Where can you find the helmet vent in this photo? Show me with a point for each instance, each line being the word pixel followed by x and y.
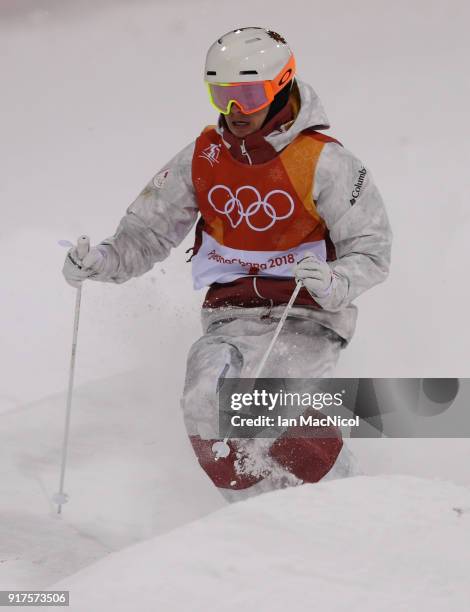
pixel 248 72
pixel 252 40
pixel 211 73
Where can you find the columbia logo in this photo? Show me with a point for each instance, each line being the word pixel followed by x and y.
pixel 358 186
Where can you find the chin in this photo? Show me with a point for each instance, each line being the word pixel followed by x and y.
pixel 241 131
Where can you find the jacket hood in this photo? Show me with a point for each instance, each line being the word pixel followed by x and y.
pixel 311 114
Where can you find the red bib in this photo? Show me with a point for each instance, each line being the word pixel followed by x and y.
pixel 255 219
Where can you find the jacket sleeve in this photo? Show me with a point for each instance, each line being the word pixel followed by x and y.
pixel 158 220
pixel 352 207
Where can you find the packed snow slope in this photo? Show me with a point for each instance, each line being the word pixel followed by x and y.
pixel 131 475
pixel 370 544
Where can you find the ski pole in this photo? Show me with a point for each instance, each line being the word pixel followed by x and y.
pixel 60 498
pixel 280 325
pixel 222 449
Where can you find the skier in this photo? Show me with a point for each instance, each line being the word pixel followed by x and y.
pixel 278 201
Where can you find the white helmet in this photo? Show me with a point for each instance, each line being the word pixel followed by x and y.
pixel 247 55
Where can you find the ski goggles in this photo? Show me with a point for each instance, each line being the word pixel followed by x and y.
pixel 251 96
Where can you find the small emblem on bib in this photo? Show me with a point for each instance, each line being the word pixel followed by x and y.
pixel 211 153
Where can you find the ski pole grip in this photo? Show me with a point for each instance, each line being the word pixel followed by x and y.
pixel 83 246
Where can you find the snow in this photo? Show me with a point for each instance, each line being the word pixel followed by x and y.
pixel 131 474
pixel 363 543
pixel 86 120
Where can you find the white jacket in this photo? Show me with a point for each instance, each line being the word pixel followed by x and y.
pixel 346 198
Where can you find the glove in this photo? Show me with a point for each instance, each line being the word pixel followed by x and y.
pixel 75 270
pixel 316 276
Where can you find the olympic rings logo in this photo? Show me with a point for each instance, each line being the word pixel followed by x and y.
pixel 234 211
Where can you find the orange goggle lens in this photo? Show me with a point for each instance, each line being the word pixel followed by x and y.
pixel 250 97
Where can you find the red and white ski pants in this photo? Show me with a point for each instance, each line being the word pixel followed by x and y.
pixel 234 347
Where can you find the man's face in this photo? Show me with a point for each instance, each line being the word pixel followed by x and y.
pixel 242 125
